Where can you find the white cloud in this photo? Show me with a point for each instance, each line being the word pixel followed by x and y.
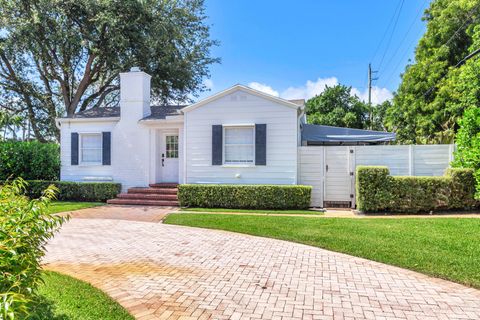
pixel 310 89
pixel 208 83
pixel 264 88
pixel 379 95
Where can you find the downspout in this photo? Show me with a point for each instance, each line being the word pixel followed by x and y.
pixel 184 147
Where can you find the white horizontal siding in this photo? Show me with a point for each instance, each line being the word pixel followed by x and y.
pixel 242 108
pixel 310 172
pixel 396 158
pixel 431 160
pixel 418 160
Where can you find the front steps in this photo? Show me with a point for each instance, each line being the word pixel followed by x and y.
pixel 158 194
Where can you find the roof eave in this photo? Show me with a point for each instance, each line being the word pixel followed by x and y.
pixel 243 88
pixel 96 119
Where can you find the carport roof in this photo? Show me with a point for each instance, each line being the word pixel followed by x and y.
pixel 319 134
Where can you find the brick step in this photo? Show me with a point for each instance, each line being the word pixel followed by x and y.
pixel 143 202
pixel 147 196
pixel 153 190
pixel 164 185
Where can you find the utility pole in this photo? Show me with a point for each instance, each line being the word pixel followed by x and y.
pixel 370 80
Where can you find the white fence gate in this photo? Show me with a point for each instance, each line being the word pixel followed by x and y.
pixel 330 170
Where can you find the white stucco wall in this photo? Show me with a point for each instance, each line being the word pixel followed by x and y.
pixel 242 107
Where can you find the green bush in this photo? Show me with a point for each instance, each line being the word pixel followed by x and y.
pixel 244 196
pixel 29 160
pixel 378 191
pixel 25 227
pixel 467 153
pixel 372 185
pixel 76 191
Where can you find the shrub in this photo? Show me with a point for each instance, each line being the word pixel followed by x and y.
pixel 30 160
pixel 244 196
pixel 378 191
pixel 76 191
pixel 462 188
pixel 372 185
pixel 468 143
pixel 25 226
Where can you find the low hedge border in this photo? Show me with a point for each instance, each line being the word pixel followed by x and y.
pixel 244 196
pixel 75 191
pixel 377 191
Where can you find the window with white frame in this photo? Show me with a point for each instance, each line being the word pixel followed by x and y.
pixel 91 148
pixel 239 145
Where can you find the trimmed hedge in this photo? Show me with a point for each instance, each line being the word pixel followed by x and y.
pixel 30 160
pixel 244 196
pixel 75 191
pixel 377 191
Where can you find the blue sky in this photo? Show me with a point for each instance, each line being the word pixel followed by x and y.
pixel 293 48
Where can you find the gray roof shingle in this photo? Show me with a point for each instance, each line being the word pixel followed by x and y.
pixel 107 112
pixel 161 112
pixel 158 112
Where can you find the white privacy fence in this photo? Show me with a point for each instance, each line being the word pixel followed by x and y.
pixel 330 170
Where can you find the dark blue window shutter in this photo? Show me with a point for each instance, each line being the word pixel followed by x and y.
pixel 260 144
pixel 106 148
pixel 217 145
pixel 74 149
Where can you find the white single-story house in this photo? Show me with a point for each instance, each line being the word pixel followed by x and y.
pixel 237 136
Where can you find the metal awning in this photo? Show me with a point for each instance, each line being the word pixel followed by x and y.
pixel 320 134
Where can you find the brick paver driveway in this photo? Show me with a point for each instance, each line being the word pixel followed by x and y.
pixel 169 272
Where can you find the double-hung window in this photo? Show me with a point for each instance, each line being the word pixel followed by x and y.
pixel 91 148
pixel 239 145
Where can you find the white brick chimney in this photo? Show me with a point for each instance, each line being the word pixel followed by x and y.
pixel 134 94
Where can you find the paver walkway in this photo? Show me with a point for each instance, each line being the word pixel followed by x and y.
pixel 170 272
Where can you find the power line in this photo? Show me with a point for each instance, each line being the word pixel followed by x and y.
pixel 391 34
pixel 459 63
pixel 414 21
pixel 466 22
pixel 386 30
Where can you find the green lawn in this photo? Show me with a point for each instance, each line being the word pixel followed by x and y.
pixel 66 298
pixel 206 210
pixel 62 206
pixel 447 248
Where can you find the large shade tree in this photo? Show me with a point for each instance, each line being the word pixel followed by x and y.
pixel 337 106
pixel 436 89
pixel 63 56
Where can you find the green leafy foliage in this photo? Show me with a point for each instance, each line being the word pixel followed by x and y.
pixel 377 191
pixel 25 227
pixel 61 56
pixel 29 160
pixel 434 91
pixel 244 196
pixel 76 191
pixel 467 154
pixel 337 106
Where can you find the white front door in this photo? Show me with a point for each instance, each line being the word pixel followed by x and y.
pixel 169 157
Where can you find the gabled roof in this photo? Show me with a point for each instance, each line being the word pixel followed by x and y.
pixel 246 89
pixel 312 133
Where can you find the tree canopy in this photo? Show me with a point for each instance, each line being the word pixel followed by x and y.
pixel 62 56
pixel 338 106
pixel 436 89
